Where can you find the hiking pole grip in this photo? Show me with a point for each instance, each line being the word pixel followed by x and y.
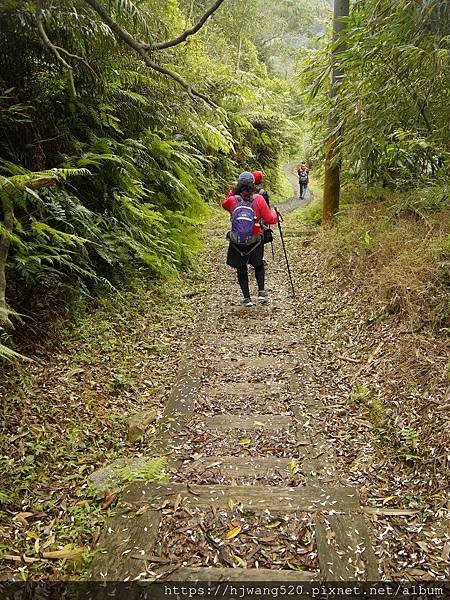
pixel 280 216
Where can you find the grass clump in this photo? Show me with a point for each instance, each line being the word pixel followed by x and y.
pixel 398 252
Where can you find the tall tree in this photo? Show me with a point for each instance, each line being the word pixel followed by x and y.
pixel 332 186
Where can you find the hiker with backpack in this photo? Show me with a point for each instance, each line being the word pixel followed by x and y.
pixel 249 213
pixel 303 178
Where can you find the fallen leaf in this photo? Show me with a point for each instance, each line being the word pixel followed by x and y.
pixel 68 552
pixel 81 503
pixel 293 465
pixel 142 510
pixel 245 441
pixel 274 524
pixel 22 517
pixel 107 501
pixel 423 546
pixel 232 533
pixel 240 561
pixel 177 503
pixel 388 499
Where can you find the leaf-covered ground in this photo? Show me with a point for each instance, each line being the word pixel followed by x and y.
pixel 384 391
pixel 237 537
pixel 383 419
pixel 65 414
pixel 381 390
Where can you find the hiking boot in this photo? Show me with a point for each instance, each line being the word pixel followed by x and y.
pixel 263 298
pixel 247 302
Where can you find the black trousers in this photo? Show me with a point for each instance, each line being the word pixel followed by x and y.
pixel 303 188
pixel 242 275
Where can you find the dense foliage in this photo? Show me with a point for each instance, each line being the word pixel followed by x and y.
pixel 389 117
pixel 392 105
pixel 141 154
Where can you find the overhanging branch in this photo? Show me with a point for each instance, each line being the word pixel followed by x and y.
pixel 141 50
pixel 55 49
pixel 184 36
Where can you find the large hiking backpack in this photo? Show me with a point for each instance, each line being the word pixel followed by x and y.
pixel 242 222
pixel 303 175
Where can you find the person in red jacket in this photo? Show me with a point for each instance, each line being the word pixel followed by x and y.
pixel 303 178
pixel 240 256
pixel 259 176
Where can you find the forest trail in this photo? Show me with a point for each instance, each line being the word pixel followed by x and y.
pixel 255 490
pixel 121 122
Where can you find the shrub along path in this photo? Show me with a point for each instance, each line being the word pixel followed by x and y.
pixel 255 485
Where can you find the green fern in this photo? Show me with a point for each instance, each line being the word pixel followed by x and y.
pixel 151 470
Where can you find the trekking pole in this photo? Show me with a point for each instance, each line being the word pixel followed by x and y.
pixel 280 219
pixel 273 251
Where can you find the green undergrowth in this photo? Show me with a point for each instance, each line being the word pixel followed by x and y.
pixel 402 441
pixel 399 246
pixel 395 245
pixel 65 414
pixel 311 214
pixel 151 470
pixel 283 192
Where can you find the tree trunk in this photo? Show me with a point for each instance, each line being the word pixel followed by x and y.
pixel 332 185
pixel 332 182
pixel 8 223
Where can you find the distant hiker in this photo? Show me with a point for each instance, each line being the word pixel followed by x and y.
pixel 259 176
pixel 249 211
pixel 303 178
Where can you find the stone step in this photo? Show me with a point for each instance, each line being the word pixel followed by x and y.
pixel 130 543
pixel 276 362
pixel 240 470
pixel 125 536
pixel 248 423
pixel 244 389
pixel 253 340
pixel 131 539
pixel 268 341
pixel 246 469
pixel 245 399
pixel 239 466
pixel 138 543
pixel 345 549
pixel 286 499
pixel 217 574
